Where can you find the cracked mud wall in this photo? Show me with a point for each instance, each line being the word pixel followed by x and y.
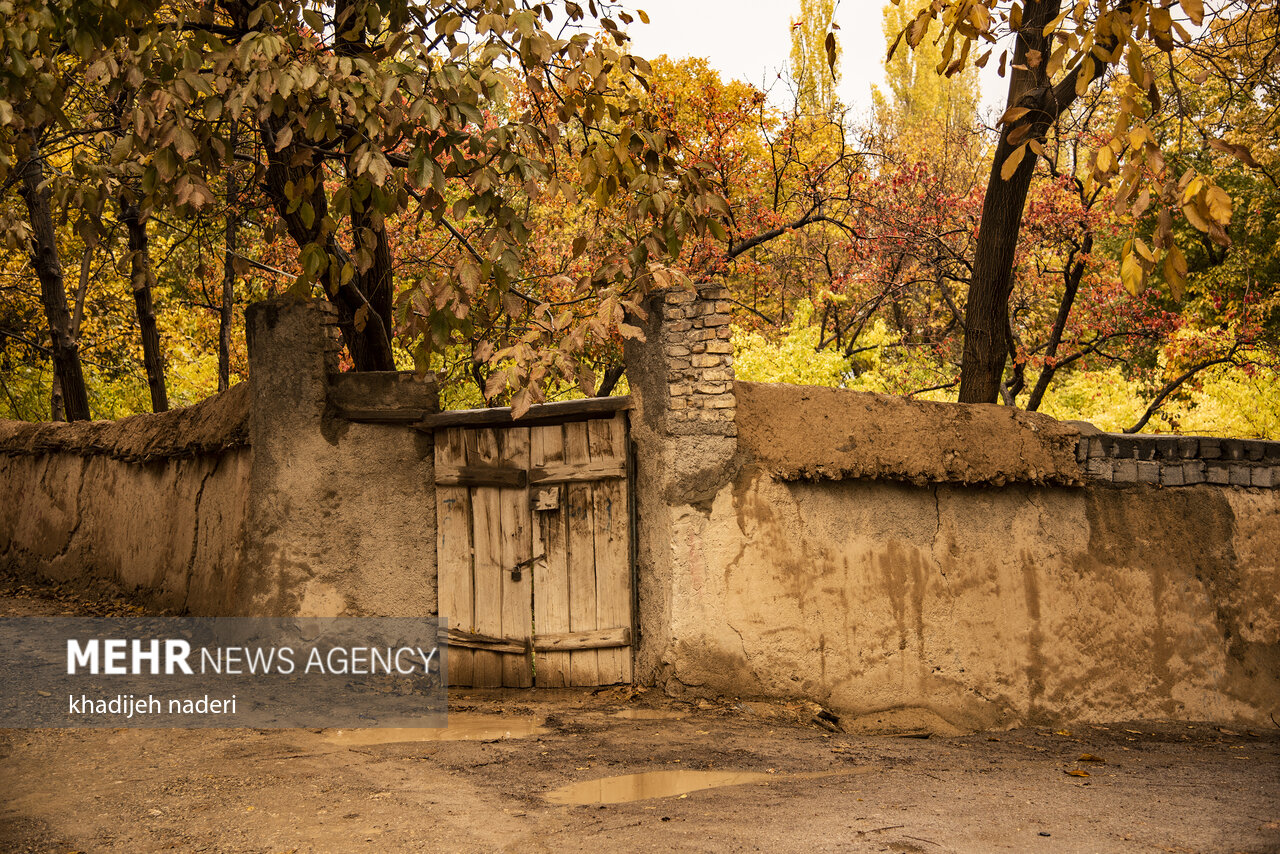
pixel 169 527
pixel 944 567
pixel 262 501
pixel 980 607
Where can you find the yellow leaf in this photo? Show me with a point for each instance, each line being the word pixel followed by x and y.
pixel 1219 205
pixel 1105 159
pixel 1144 251
pixel 1055 23
pixel 1175 272
pixel 918 27
pixel 1137 68
pixel 1132 275
pixel 1076 772
pixel 1055 61
pixel 1011 162
pixel 1192 189
pixel 1197 217
pixel 1089 757
pixel 1161 28
pixel 1143 202
pixel 1013 114
pixel 1194 10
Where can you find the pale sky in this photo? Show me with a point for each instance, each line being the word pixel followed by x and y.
pixel 750 40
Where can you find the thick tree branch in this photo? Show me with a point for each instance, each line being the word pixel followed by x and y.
pixel 1170 388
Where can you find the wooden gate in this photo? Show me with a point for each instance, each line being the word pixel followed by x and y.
pixel 534 544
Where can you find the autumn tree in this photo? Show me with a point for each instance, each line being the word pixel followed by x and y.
pixel 1059 51
pixel 353 115
pixel 814 57
pixel 920 107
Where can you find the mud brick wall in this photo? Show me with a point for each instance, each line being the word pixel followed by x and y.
pixel 302 492
pixel 154 503
pixel 1179 460
pixel 699 361
pixel 939 567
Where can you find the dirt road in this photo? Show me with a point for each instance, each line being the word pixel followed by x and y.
pixel 498 785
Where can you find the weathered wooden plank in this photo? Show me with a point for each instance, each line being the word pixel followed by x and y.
pixel 583 669
pixel 453 554
pixel 504 474
pixel 551 574
pixel 472 640
pixel 607 442
pixel 576 472
pixel 543 413
pixel 517 586
pixel 486 511
pixel 557 644
pixel 600 639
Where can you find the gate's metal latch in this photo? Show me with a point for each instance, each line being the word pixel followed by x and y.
pixel 517 570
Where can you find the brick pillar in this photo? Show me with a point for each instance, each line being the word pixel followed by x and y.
pixel 689 350
pixel 685 434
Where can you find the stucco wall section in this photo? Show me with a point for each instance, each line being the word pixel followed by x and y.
pixel 980 607
pixel 342 514
pixel 263 501
pixel 810 432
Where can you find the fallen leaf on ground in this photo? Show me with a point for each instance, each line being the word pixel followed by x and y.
pixel 1076 772
pixel 1089 757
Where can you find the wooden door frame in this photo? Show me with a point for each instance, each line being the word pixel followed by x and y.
pixel 468 477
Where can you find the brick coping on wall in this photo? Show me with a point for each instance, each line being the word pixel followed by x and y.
pixel 1179 460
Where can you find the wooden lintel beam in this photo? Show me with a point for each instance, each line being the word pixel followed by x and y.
pixel 543 413
pixel 573 472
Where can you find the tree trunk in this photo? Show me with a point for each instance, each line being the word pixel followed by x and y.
pixel 986 342
pixel 140 268
pixel 1075 273
pixel 57 412
pixel 370 341
pixel 225 315
pixel 53 292
pixel 376 284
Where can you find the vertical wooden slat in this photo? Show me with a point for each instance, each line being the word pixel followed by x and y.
pixel 582 565
pixel 517 594
pixel 453 554
pixel 482 447
pixel 551 573
pixel 607 442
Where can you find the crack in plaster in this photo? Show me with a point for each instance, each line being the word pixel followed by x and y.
pixel 195 534
pixel 84 464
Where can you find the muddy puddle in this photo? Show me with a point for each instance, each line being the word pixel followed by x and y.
pixel 666 784
pixel 462 727
pixel 650 715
